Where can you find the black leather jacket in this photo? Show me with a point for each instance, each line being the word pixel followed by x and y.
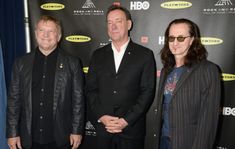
pixel 68 106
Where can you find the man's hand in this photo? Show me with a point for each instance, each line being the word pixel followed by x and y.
pixel 14 143
pixel 108 120
pixel 113 124
pixel 117 126
pixel 75 140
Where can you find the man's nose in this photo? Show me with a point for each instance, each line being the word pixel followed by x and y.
pixel 114 26
pixel 176 42
pixel 45 34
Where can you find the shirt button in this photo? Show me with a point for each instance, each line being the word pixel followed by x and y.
pixel 41 117
pixel 43 76
pixel 40 130
pixel 115 92
pixel 42 89
pixel 41 104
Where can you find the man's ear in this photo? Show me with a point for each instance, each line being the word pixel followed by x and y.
pixel 59 37
pixel 129 24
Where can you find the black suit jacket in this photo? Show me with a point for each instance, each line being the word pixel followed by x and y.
pixel 194 108
pixel 127 93
pixel 68 105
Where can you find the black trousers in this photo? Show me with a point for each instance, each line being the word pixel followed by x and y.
pixel 117 142
pixel 51 145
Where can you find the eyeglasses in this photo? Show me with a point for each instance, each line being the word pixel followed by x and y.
pixel 179 38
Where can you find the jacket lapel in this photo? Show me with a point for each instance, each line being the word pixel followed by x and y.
pixel 126 57
pixel 27 75
pixel 183 78
pixel 110 59
pixel 58 79
pixel 161 86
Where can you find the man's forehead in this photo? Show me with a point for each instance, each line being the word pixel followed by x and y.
pixel 46 22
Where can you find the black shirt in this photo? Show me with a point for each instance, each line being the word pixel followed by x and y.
pixel 42 96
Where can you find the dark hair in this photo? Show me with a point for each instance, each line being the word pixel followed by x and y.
pixel 118 7
pixel 196 52
pixel 46 18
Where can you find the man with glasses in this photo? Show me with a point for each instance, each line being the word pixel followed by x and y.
pixel 189 91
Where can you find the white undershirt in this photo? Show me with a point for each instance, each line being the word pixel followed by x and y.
pixel 119 55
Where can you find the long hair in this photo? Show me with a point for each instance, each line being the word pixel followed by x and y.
pixel 196 53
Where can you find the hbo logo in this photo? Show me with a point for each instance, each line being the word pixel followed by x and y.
pixel 139 5
pixel 228 111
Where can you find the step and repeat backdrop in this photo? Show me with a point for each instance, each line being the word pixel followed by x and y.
pixel 84 30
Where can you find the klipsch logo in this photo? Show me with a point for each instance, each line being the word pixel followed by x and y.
pixel 211 41
pixel 52 6
pixel 137 5
pixel 176 5
pixel 228 77
pixel 78 38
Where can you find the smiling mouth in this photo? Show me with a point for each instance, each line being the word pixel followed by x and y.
pixel 115 32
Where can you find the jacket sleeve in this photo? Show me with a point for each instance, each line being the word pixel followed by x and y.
pixel 209 111
pixel 77 97
pixel 147 91
pixel 92 89
pixel 13 102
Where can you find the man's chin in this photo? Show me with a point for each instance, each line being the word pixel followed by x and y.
pixel 115 39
